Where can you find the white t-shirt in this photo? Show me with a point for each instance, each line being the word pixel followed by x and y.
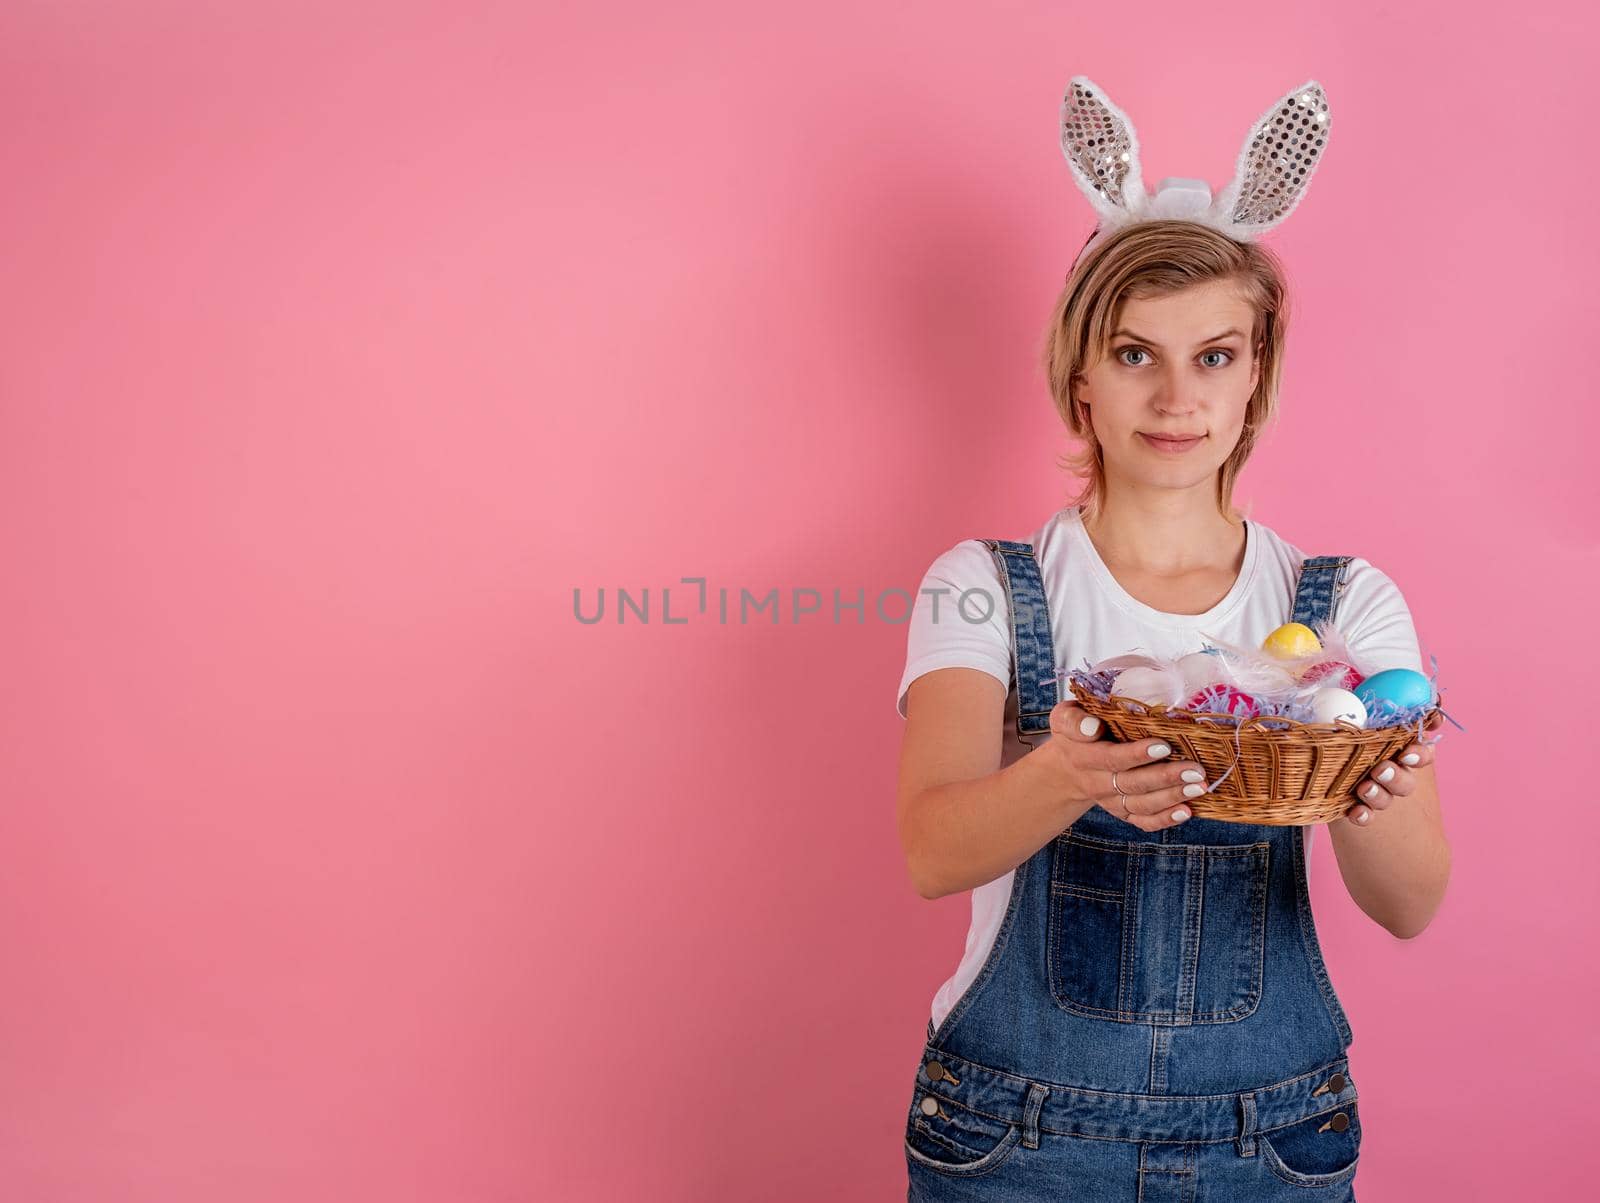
pixel 1092 617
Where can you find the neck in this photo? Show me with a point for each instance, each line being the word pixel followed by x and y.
pixel 1164 532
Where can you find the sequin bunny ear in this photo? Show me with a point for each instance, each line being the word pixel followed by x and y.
pixel 1102 148
pixel 1275 165
pixel 1274 168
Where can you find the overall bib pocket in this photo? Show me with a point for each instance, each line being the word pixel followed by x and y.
pixel 1143 932
pixel 1319 1151
pixel 946 1137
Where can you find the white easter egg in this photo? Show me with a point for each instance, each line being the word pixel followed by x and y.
pixel 1150 685
pixel 1201 669
pixel 1332 704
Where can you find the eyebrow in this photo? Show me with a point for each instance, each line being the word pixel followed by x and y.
pixel 1215 338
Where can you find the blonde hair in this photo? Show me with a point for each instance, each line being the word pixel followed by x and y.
pixel 1156 258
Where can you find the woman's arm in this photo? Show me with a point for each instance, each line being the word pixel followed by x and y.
pixel 964 821
pixel 1391 846
pixel 1394 858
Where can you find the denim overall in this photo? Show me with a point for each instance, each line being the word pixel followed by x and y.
pixel 1154 1023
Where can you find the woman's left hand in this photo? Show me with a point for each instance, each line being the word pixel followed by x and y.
pixel 1388 780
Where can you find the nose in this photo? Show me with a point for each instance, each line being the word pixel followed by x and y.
pixel 1178 392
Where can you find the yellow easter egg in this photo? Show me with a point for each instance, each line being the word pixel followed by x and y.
pixel 1292 640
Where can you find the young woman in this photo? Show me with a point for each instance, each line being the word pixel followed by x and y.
pixel 1142 1011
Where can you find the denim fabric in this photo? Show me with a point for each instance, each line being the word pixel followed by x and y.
pixel 1032 646
pixel 1155 1020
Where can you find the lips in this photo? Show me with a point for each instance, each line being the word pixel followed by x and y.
pixel 1172 446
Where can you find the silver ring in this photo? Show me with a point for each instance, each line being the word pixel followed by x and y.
pixel 1115 786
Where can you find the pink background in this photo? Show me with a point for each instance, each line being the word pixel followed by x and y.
pixel 343 342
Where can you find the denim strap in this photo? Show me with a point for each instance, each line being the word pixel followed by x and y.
pixel 1317 595
pixel 1033 659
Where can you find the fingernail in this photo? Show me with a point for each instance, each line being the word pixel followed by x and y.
pixel 1363 816
pixel 1193 775
pixel 1388 771
pixel 1157 751
pixel 1410 758
pixel 1193 791
pixel 1089 725
pixel 1370 792
pixel 1179 815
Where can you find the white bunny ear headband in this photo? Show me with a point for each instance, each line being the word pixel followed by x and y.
pixel 1274 168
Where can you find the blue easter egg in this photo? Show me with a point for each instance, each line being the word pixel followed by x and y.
pixel 1400 688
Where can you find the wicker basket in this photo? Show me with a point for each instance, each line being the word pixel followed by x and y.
pixel 1283 776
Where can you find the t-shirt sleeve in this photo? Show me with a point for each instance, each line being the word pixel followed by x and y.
pixel 1376 622
pixel 959 618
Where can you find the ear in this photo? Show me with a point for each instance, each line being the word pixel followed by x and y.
pixel 1102 148
pixel 1276 163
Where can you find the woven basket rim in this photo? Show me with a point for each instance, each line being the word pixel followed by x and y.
pixel 1245 728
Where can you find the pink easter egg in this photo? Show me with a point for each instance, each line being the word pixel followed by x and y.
pixel 1338 674
pixel 1224 699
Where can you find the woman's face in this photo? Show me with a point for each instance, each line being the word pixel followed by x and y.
pixel 1180 367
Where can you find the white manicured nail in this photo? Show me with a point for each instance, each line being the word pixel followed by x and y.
pixel 1388 771
pixel 1193 791
pixel 1410 758
pixel 1193 775
pixel 1157 751
pixel 1179 815
pixel 1089 725
pixel 1371 792
pixel 1363 816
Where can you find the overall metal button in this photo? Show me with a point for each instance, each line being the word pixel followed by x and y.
pixel 1338 1123
pixel 1336 1084
pixel 930 1105
pixel 936 1072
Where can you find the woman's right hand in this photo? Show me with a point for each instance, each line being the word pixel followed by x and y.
pixel 1154 787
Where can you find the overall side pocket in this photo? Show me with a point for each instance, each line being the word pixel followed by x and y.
pixel 1317 1151
pixel 948 1138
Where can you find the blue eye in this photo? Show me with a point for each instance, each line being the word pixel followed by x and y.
pixel 1124 352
